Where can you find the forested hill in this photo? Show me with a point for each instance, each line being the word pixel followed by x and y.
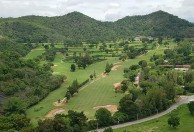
pixel 78 26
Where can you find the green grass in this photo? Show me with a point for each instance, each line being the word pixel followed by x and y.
pixel 186 123
pixel 34 53
pixel 97 94
pixel 64 69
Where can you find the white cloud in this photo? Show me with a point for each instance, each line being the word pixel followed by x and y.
pixel 110 10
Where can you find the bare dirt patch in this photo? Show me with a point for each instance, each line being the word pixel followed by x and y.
pixel 114 68
pixel 104 75
pixel 111 108
pixel 117 84
pixel 55 65
pixel 117 63
pixel 60 103
pixel 54 112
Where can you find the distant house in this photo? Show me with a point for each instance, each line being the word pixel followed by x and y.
pixel 182 69
pixel 140 38
pixel 176 66
pixel 137 39
pixel 150 38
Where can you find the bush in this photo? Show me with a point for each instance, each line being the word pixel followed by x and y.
pixel 191 107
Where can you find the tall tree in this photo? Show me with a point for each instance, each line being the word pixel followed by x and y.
pixel 103 117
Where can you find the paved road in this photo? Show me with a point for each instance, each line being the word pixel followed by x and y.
pixel 183 100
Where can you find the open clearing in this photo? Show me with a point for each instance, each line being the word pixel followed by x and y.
pixel 100 92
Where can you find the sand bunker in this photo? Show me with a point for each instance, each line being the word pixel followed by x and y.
pixel 117 85
pixel 55 65
pixel 54 112
pixel 114 68
pixel 111 108
pixel 60 103
pixel 65 81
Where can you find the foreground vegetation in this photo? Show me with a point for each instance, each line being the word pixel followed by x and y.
pixel 161 124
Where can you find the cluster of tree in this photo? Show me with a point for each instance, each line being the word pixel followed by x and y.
pixel 108 67
pixel 179 56
pixel 131 72
pixel 75 27
pixel 74 88
pixel 133 52
pixel 8 45
pixel 83 61
pixel 159 88
pixel 26 78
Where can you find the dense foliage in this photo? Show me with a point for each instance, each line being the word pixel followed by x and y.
pixel 76 26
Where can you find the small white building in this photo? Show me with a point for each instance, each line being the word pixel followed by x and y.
pixel 182 69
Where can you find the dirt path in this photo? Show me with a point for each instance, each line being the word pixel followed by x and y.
pixel 114 68
pixel 137 78
pixel 54 112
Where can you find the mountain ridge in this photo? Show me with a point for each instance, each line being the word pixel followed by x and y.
pixel 77 26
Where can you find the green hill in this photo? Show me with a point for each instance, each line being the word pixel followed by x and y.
pixel 78 26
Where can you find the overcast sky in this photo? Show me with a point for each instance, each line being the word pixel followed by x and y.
pixel 105 10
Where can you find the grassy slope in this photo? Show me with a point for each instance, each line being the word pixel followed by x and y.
pixel 186 124
pixel 34 53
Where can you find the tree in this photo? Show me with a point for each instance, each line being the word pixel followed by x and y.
pixel 68 95
pixel 191 107
pixel 72 67
pixel 108 68
pixel 120 117
pixel 19 121
pixel 160 40
pixel 169 88
pixel 124 87
pixel 94 74
pixel 127 106
pixel 174 121
pixel 45 125
pixel 103 117
pixel 46 47
pixel 143 63
pixel 77 118
pixel 91 77
pixel 109 129
pixel 14 105
pixel 14 122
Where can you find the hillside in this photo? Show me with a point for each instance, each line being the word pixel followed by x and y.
pixel 78 26
pixel 155 24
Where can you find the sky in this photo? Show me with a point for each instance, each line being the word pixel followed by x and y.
pixel 104 10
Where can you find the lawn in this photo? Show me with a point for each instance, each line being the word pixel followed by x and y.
pixel 186 124
pixel 98 93
pixel 64 69
pixel 34 53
